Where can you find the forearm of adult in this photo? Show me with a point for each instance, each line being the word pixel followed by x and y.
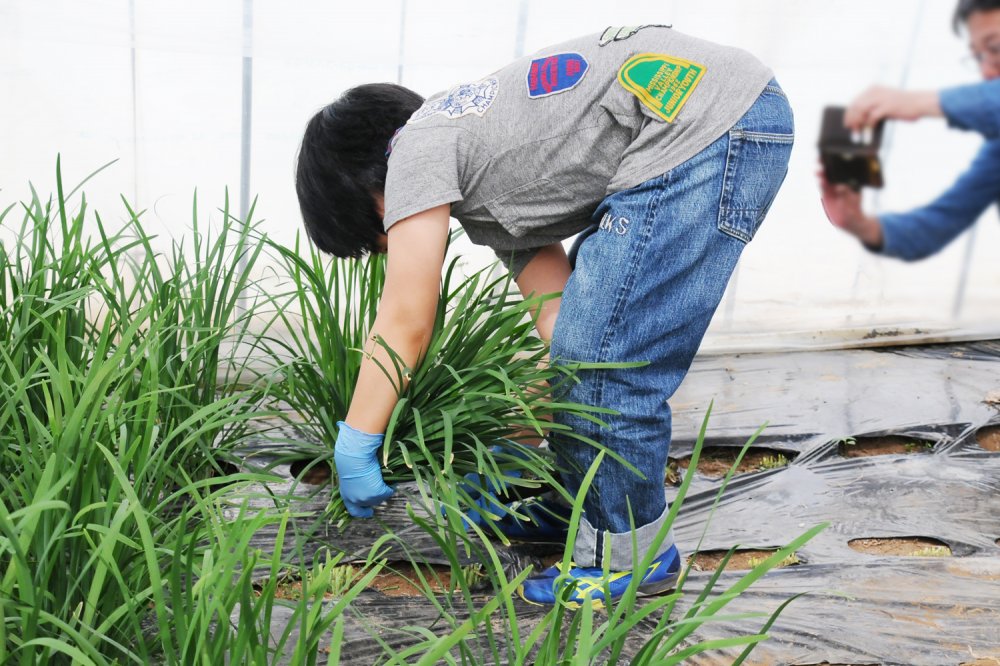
pixel 974 107
pixel 883 103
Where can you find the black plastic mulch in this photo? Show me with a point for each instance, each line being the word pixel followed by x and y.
pixel 860 608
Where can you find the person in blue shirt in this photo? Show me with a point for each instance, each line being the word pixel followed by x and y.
pixel 923 231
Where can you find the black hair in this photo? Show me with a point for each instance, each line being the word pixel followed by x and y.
pixel 342 163
pixel 967 8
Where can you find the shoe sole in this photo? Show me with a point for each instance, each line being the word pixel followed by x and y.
pixel 659 587
pixel 649 590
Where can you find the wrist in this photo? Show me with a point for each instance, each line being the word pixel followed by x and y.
pixel 351 440
pixel 870 232
pixel 928 104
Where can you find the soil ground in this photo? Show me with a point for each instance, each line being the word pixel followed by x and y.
pixel 317 475
pixel 902 547
pixel 989 438
pixel 404 582
pixel 742 560
pixel 880 446
pixel 716 461
pixel 401 581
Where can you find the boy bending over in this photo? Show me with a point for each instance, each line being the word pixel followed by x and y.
pixel 664 149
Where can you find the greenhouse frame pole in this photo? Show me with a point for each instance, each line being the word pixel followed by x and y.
pixel 135 107
pixel 245 126
pixel 522 27
pixel 963 276
pixel 402 42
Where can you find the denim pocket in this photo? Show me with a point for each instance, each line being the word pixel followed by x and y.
pixel 756 165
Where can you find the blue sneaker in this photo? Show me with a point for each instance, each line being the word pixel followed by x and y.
pixel 547 521
pixel 546 588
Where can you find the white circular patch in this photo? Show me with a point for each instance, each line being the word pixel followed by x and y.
pixel 461 100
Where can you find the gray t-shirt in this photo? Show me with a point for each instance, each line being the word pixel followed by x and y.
pixel 526 154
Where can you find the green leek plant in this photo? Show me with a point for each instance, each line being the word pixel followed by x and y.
pixel 110 283
pixel 483 379
pixel 117 544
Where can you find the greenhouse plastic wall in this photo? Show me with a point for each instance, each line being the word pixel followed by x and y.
pixel 203 96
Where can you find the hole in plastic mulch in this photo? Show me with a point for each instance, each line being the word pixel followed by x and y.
pixel 716 461
pixel 881 446
pixel 742 560
pixel 989 438
pixel 901 546
pixel 311 472
pixel 827 663
pixel 395 580
pixel 224 469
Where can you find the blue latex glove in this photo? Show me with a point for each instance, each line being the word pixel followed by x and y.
pixel 487 503
pixel 361 484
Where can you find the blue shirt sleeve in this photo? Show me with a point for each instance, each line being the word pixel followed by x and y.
pixel 974 107
pixel 922 232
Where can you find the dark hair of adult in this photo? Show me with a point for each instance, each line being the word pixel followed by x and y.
pixel 967 8
pixel 342 163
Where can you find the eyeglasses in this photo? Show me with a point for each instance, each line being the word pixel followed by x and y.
pixel 990 54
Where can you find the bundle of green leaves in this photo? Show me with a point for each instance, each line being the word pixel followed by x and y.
pixel 115 543
pixel 483 380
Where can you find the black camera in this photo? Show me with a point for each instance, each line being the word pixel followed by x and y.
pixel 848 157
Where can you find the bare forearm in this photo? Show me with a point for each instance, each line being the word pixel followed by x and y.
pixel 379 380
pixel 882 103
pixel 405 318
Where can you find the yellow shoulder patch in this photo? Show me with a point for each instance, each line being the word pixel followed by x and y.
pixel 662 82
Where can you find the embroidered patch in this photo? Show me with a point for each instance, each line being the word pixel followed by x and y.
pixel 475 97
pixel 555 74
pixel 618 33
pixel 663 83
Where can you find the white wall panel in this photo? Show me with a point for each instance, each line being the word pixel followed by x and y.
pixel 66 86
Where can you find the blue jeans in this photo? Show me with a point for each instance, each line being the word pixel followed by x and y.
pixel 645 285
